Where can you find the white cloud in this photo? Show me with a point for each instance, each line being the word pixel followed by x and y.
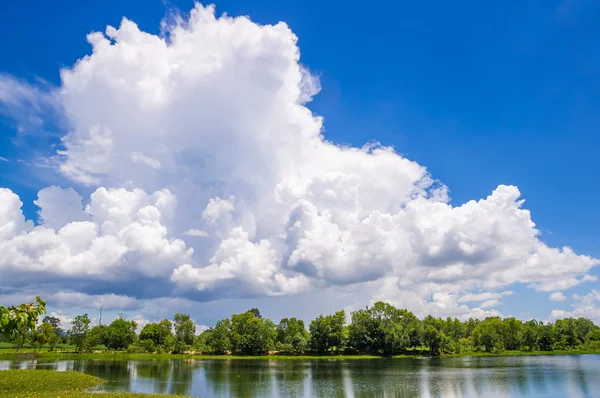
pixel 489 304
pixel 59 207
pixel 484 296
pixel 3 159
pixel 557 296
pixel 148 161
pixel 586 306
pixel 216 115
pixel 196 232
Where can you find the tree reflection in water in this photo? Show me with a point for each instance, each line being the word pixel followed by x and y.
pixel 440 377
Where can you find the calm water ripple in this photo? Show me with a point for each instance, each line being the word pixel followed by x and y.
pixel 541 376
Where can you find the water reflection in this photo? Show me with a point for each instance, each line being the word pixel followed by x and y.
pixel 573 376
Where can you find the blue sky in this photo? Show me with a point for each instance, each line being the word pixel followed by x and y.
pixel 480 93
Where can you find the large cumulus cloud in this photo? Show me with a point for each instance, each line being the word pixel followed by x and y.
pixel 209 177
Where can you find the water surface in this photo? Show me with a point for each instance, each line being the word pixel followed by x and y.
pixel 536 376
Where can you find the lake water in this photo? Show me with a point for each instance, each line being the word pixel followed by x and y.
pixel 540 376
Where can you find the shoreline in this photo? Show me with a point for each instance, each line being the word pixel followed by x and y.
pixel 31 355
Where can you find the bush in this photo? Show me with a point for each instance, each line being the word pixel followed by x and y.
pixel 147 345
pixel 135 349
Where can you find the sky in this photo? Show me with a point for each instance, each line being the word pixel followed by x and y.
pixel 300 157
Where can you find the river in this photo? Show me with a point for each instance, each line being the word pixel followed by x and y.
pixel 518 376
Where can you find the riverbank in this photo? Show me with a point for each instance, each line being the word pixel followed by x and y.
pixel 49 383
pixel 106 355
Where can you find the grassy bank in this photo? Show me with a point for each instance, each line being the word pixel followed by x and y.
pixel 107 355
pixel 523 353
pixel 48 383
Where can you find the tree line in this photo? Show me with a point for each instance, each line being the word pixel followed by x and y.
pixel 378 330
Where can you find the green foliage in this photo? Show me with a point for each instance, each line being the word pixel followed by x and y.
pixel 328 333
pixel 79 331
pixel 120 334
pixel 545 338
pixel 185 331
pixel 488 335
pixel 46 334
pixel 95 337
pixel 434 339
pixel 530 335
pixel 291 336
pixel 160 334
pixel 21 318
pixel 216 339
pixel 382 329
pixel 251 335
pixel 55 322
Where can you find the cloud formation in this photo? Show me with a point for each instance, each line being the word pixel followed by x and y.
pixel 210 177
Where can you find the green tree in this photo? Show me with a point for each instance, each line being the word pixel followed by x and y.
pixel 583 327
pixel 545 337
pixel 79 331
pixel 55 322
pixel 488 334
pixel 21 318
pixel 185 331
pixel 216 339
pixel 292 336
pixel 120 334
pixel 46 334
pixel 434 339
pixel 381 329
pixel 160 334
pixel 512 333
pixel 530 335
pixel 328 333
pixel 251 335
pixel 592 339
pixel 95 337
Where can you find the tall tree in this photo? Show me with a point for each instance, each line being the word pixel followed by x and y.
pixel 328 333
pixel 185 331
pixel 120 334
pixel 251 335
pixel 79 331
pixel 292 336
pixel 46 334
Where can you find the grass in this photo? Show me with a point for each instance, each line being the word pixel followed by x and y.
pixel 50 383
pixel 523 353
pixel 68 352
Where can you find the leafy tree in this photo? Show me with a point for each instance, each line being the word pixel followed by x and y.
pixel 292 336
pixel 545 338
pixel 512 333
pixel 256 313
pixel 55 322
pixel 488 335
pixel 530 334
pixel 185 331
pixel 251 335
pixel 120 334
pixel 160 334
pixel 21 318
pixel 583 327
pixel 79 331
pixel 96 336
pixel 46 334
pixel 434 339
pixel 216 339
pixel 593 339
pixel 565 334
pixel 328 333
pixel 381 329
